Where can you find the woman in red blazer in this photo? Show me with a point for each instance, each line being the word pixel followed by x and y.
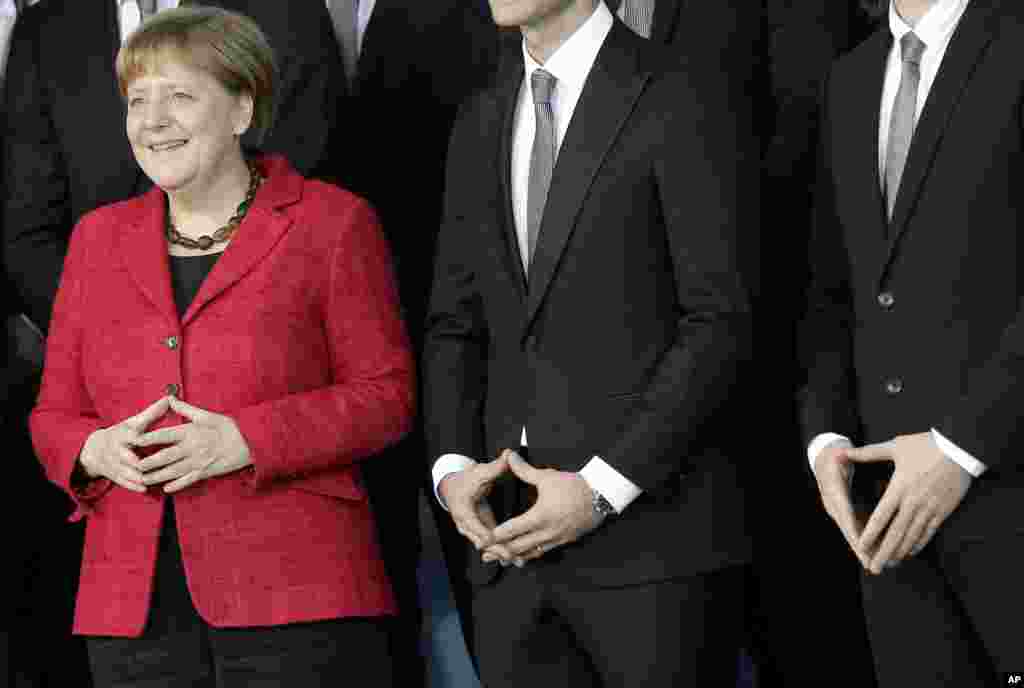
pixel 224 350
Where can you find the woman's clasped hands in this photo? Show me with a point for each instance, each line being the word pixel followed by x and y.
pixel 209 445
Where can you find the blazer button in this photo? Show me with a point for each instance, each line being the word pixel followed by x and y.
pixel 886 300
pixel 893 386
pixel 173 389
pixel 171 342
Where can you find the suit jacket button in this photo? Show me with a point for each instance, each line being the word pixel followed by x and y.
pixel 893 386
pixel 173 389
pixel 171 342
pixel 886 300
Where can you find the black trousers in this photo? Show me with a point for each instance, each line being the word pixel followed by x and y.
pixel 950 616
pixel 531 631
pixel 179 649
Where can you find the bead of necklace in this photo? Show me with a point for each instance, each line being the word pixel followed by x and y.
pixel 204 242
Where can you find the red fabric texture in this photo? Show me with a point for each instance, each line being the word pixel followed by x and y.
pixel 296 335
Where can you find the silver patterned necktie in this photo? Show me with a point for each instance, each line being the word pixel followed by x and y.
pixel 902 122
pixel 542 157
pixel 638 15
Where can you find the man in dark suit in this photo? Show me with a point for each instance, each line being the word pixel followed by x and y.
pixel 414 63
pixel 65 153
pixel 799 40
pixel 592 310
pixel 772 56
pixel 915 335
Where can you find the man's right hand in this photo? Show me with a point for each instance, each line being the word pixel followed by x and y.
pixel 108 452
pixel 465 494
pixel 834 472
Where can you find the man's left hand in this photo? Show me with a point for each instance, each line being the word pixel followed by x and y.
pixel 926 487
pixel 563 512
pixel 209 446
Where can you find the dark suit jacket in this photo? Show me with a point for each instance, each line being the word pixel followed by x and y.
pixel 627 342
pixel 917 323
pixel 66 150
pixel 295 335
pixel 419 62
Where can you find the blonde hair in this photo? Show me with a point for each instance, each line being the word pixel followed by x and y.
pixel 227 45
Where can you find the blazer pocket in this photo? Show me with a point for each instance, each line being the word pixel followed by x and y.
pixel 337 484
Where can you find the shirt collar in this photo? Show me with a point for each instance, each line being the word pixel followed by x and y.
pixel 571 62
pixel 936 26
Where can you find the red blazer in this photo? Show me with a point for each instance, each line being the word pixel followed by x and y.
pixel 296 335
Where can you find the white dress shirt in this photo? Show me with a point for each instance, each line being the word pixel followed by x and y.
pixel 935 29
pixel 362 21
pixel 570 64
pixel 129 15
pixel 8 15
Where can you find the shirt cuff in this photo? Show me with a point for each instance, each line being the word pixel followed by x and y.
pixel 958 455
pixel 819 443
pixel 619 490
pixel 445 466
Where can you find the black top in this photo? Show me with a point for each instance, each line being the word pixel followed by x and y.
pixel 187 275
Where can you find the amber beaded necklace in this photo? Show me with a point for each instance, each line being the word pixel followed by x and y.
pixel 224 233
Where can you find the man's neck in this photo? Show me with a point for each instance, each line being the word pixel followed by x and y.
pixel 912 10
pixel 548 33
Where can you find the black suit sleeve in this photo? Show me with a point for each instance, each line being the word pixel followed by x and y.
pixel 827 398
pixel 986 422
pixel 36 212
pixel 455 350
pixel 706 174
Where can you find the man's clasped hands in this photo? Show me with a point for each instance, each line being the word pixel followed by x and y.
pixel 563 511
pixel 210 444
pixel 925 488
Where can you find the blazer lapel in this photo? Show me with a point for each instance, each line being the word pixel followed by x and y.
pixel 859 112
pixel 261 229
pixel 144 253
pixel 369 56
pixel 611 91
pixel 965 50
pixel 666 18
pixel 509 84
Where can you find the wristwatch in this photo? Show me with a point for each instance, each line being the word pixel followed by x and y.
pixel 602 507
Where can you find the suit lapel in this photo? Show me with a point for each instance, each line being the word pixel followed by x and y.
pixel 610 93
pixel 369 56
pixel 144 253
pixel 859 110
pixel 261 229
pixel 963 54
pixel 507 96
pixel 144 248
pixel 666 18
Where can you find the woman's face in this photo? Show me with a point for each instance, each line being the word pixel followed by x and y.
pixel 183 125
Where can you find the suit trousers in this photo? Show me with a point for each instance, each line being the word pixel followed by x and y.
pixel 535 630
pixel 950 616
pixel 179 649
